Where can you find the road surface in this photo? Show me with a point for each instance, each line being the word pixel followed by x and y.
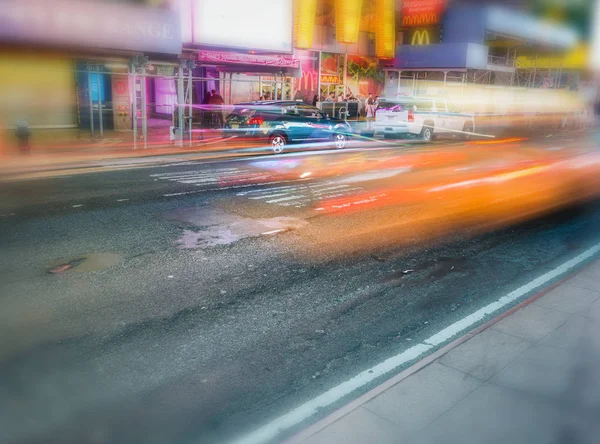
pixel 180 302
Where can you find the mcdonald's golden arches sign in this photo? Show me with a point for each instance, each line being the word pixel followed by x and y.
pixel 422 12
pixel 422 36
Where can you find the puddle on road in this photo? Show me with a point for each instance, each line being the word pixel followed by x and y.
pixel 84 263
pixel 217 227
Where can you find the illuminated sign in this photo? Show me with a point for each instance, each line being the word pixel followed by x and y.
pixel 326 78
pixel 239 24
pixel 309 81
pixel 422 36
pixel 422 12
pixel 282 61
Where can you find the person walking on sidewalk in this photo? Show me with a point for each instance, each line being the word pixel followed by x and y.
pixel 23 134
pixel 370 107
pixel 216 100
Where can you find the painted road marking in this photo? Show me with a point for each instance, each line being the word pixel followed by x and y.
pixel 299 195
pixel 284 199
pixel 305 411
pixel 267 196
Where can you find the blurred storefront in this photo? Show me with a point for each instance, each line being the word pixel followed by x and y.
pixel 85 66
pixel 443 44
pixel 254 60
pixel 341 45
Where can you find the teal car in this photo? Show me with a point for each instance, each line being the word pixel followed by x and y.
pixel 280 123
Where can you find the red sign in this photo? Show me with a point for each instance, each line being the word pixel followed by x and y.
pixel 120 87
pixel 325 78
pixel 422 12
pixel 249 59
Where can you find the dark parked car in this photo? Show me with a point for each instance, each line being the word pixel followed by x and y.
pixel 285 122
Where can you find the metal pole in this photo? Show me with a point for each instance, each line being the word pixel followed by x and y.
pixel 91 100
pixel 100 122
pixel 189 101
pixel 180 100
pixel 144 109
pixel 133 95
pixel 345 73
pixel 319 76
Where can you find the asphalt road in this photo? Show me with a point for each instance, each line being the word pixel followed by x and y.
pixel 196 307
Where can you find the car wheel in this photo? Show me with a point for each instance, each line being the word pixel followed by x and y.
pixel 427 133
pixel 340 140
pixel 467 130
pixel 389 136
pixel 277 142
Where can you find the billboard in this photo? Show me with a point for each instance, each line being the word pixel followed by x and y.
pixel 98 25
pixel 332 67
pixel 259 25
pixel 364 76
pixel 422 12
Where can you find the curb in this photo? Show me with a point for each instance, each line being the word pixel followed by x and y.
pixel 373 393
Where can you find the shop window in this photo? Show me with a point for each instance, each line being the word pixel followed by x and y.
pixel 165 95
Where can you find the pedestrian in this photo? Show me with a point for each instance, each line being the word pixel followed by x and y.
pixel 315 100
pixel 23 134
pixel 341 98
pixel 217 102
pixel 370 111
pixel 331 97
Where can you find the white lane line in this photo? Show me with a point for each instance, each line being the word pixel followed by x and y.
pixel 195 181
pixel 322 190
pixel 77 206
pixel 268 196
pixel 262 190
pixel 283 199
pixel 232 187
pixel 122 200
pixel 310 408
pixel 220 170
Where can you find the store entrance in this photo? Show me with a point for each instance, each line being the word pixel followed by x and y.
pixel 95 99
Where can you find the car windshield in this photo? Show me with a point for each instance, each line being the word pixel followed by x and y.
pixel 393 106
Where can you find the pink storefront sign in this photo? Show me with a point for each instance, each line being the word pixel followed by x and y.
pixel 282 61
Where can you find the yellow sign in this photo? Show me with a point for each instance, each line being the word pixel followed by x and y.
pixel 329 79
pixel 420 37
pixel 576 59
pixel 421 19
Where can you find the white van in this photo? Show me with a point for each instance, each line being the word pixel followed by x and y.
pixel 423 116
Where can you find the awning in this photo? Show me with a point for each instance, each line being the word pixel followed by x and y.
pixel 255 63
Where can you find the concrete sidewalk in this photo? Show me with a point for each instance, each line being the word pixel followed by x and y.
pixel 529 376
